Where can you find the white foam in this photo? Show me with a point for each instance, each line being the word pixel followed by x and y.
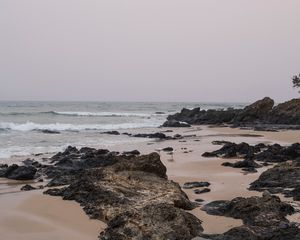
pixel 30 126
pixel 103 114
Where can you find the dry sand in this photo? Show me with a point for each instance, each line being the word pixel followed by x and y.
pixel 31 215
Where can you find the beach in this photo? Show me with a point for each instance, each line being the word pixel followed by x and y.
pixel 32 215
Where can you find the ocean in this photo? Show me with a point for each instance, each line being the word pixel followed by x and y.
pixel 23 124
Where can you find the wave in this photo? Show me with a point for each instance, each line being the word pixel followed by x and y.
pixel 31 126
pixel 83 114
pixel 102 114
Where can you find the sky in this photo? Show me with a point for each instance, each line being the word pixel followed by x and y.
pixel 155 50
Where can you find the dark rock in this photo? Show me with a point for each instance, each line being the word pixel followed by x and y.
pixel 247 164
pixel 189 185
pixel 256 111
pixel 174 123
pixel 263 217
pixel 233 150
pixel 261 115
pixel 168 149
pixel 47 131
pixel 131 189
pixel 200 191
pixel 280 177
pixel 133 152
pixel 27 187
pixel 20 172
pixel 111 133
pixel 151 135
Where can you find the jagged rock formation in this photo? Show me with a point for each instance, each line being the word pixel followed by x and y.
pixel 264 218
pixel 262 114
pixel 131 193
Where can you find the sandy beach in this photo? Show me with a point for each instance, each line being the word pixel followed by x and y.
pixel 32 215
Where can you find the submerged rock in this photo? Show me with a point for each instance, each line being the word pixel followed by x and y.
pixel 174 123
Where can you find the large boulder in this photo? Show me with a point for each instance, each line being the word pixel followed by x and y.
pixel 132 194
pixel 255 112
pixel 286 113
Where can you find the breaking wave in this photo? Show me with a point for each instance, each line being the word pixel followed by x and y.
pixel 31 126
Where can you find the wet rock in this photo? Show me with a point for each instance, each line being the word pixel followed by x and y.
pixel 27 187
pixel 263 218
pixel 30 162
pixel 133 152
pixel 174 123
pixel 47 131
pixel 190 185
pixel 233 150
pixel 168 149
pixel 151 135
pixel 247 164
pixel 111 133
pixel 282 178
pixel 200 191
pixel 16 172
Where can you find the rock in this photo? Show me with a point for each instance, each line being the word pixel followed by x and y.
pixel 133 152
pixel 199 200
pixel 257 111
pixel 247 164
pixel 174 123
pixel 27 187
pixel 280 177
pixel 20 172
pixel 286 113
pixel 233 150
pixel 168 149
pixel 195 116
pixel 111 133
pixel 263 218
pixel 151 135
pixel 190 185
pixel 131 193
pixel 47 131
pixel 261 115
pixel 200 191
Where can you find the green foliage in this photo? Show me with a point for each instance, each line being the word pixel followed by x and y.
pixel 296 81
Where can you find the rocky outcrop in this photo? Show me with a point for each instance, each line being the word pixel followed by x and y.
pixel 16 172
pixel 261 115
pixel 197 116
pixel 130 193
pixel 256 112
pixel 286 113
pixel 262 153
pixel 282 178
pixel 263 218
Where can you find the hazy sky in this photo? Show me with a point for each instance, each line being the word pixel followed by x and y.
pixel 155 50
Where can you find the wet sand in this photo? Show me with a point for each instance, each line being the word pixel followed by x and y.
pixel 33 216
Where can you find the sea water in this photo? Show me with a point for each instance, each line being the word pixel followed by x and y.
pixel 23 124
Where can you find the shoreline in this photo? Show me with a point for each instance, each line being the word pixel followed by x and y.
pixel 181 167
